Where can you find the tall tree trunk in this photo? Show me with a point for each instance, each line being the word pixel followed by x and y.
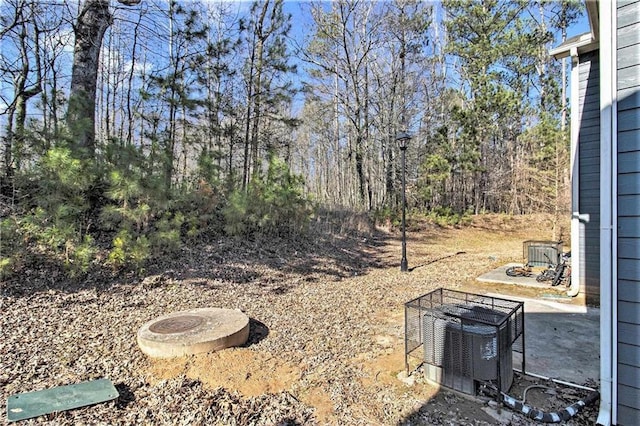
pixel 93 20
pixel 369 194
pixel 17 110
pixel 54 102
pixel 130 117
pixel 257 95
pixel 104 113
pixel 247 143
pixel 338 197
pixel 247 129
pixel 169 143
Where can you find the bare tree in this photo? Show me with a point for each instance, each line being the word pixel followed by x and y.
pixel 92 22
pixel 369 62
pixel 27 77
pixel 267 61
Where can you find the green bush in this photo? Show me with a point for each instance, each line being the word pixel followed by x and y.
pixel 387 216
pixel 82 256
pixel 445 216
pixel 117 213
pixel 201 210
pixel 274 205
pixel 127 251
pixel 10 245
pixel 54 219
pixel 167 236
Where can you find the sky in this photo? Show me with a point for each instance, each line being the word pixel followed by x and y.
pixel 580 27
pixel 302 27
pixel 295 7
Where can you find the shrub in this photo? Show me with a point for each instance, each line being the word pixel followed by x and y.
pixel 167 236
pixel 10 245
pixel 122 213
pixel 387 216
pixel 54 221
pixel 82 256
pixel 128 251
pixel 274 205
pixel 201 210
pixel 445 216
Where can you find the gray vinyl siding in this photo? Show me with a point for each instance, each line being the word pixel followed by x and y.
pixel 628 211
pixel 589 175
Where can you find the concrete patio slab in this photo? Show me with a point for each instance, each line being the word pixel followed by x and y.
pixel 561 340
pixel 499 276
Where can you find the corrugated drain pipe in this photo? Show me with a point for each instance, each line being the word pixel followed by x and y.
pixel 552 417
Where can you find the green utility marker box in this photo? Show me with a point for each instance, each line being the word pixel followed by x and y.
pixel 33 404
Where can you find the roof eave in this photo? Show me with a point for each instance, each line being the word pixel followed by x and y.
pixel 583 44
pixel 594 18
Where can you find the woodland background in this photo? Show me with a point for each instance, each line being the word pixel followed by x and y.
pixel 132 128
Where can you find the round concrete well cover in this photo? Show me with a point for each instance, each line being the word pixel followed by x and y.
pixel 192 332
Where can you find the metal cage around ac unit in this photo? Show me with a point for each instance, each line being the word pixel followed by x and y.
pixel 464 339
pixel 541 253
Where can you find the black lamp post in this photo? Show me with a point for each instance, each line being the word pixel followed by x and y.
pixel 403 138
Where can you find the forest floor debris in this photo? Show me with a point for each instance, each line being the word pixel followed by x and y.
pixel 326 343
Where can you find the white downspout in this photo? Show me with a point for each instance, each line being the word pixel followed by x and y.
pixel 576 218
pixel 608 251
pixel 613 203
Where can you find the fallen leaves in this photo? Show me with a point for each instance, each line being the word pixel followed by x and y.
pixel 326 343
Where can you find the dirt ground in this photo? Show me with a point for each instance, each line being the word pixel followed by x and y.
pixel 327 333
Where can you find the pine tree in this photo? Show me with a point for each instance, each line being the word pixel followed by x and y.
pixel 176 91
pixel 488 39
pixel 269 87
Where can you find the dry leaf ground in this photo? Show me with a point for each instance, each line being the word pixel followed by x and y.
pixel 326 343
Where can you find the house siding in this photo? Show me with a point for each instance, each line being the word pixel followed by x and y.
pixel 589 175
pixel 628 211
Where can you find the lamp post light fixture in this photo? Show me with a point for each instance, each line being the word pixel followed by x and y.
pixel 403 139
